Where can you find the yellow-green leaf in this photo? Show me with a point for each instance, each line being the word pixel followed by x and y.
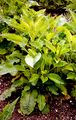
pixel 55 78
pixel 41 102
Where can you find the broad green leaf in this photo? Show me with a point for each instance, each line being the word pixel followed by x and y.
pixel 53 89
pixel 38 23
pixel 8 68
pixel 60 64
pixel 50 46
pixel 46 109
pixel 55 78
pixel 20 67
pixel 13 23
pixel 47 59
pixel 34 93
pixel 17 39
pixel 26 88
pixel 7 93
pixel 32 52
pixel 27 73
pixel 68 67
pixel 8 110
pixel 38 44
pixel 14 57
pixel 3 51
pixel 44 79
pixel 62 88
pixel 74 42
pixel 74 66
pixel 27 103
pixel 25 25
pixel 27 16
pixel 68 35
pixel 65 48
pixel 41 102
pixel 34 78
pixel 71 75
pixel 41 24
pixel 49 36
pixel 17 83
pixel 12 37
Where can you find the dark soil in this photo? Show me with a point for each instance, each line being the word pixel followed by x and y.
pixel 60 109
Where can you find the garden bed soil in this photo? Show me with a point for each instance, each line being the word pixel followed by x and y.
pixel 60 109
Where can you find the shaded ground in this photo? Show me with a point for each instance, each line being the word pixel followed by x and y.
pixel 59 109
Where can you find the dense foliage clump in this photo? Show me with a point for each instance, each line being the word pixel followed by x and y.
pixel 39 52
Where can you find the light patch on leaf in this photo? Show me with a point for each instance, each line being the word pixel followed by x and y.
pixel 61 21
pixel 31 61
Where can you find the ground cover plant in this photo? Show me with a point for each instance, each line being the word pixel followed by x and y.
pixel 39 52
pixel 10 8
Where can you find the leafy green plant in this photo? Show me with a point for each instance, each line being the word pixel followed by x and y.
pixel 8 110
pixel 40 58
pixel 9 7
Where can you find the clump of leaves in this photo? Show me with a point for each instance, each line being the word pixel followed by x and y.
pixel 10 8
pixel 39 60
